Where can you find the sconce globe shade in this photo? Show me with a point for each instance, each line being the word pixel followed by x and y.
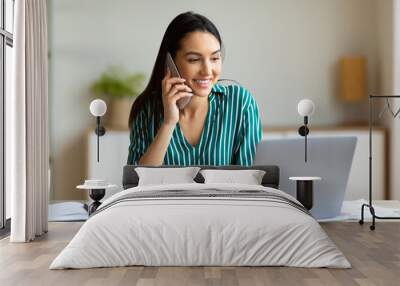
pixel 98 107
pixel 305 107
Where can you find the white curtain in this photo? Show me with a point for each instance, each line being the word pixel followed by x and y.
pixel 27 144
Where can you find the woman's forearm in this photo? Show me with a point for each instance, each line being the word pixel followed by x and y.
pixel 155 154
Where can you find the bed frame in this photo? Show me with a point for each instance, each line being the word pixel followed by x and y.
pixel 271 178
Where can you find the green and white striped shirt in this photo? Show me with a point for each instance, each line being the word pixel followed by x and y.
pixel 230 135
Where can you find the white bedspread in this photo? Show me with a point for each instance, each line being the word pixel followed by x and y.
pixel 200 231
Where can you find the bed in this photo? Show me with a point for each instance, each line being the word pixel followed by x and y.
pixel 201 224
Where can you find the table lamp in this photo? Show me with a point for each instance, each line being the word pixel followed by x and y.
pixel 98 108
pixel 305 108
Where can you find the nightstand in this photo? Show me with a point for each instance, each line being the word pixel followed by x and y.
pixel 97 190
pixel 304 190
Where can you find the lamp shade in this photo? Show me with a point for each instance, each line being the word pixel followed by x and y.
pixel 353 79
pixel 305 107
pixel 98 107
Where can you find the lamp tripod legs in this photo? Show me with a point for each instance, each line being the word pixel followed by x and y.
pixel 374 216
pixel 361 221
pixel 372 211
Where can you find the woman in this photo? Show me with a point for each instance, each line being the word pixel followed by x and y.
pixel 219 126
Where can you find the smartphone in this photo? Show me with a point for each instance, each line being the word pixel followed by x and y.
pixel 175 73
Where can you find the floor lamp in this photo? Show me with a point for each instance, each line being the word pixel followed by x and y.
pixel 387 108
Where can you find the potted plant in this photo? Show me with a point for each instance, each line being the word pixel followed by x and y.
pixel 119 88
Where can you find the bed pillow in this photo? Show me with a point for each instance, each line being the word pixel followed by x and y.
pixel 166 176
pixel 248 177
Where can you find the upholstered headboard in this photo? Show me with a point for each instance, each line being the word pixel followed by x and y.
pixel 271 178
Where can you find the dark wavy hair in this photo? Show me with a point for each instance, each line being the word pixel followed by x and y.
pixel 180 26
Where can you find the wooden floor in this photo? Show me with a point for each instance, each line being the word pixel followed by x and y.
pixel 374 255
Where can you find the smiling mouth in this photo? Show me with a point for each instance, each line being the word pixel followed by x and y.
pixel 203 83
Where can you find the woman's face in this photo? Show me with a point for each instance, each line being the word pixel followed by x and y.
pixel 199 61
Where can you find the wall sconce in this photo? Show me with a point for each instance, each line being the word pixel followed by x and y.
pixel 98 108
pixel 305 108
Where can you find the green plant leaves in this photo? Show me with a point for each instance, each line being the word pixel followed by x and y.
pixel 116 82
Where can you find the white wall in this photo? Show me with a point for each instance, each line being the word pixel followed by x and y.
pixel 281 50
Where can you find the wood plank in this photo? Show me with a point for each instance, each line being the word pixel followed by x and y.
pixel 374 255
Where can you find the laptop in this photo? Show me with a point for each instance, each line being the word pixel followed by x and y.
pixel 328 157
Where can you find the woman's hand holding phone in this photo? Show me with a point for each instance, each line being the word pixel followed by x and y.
pixel 173 89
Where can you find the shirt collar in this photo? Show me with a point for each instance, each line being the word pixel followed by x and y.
pixel 218 89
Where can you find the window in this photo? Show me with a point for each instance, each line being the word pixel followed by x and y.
pixel 6 44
